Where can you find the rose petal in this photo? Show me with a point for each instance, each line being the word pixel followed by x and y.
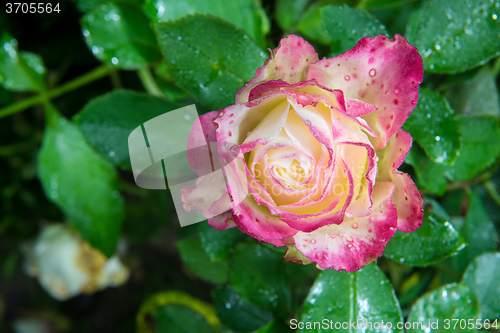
pixel 378 71
pixel 198 153
pixel 361 161
pixel 407 197
pixel 268 128
pixel 357 108
pixel 222 221
pixel 356 241
pixel 288 62
pixel 207 195
pixel 257 220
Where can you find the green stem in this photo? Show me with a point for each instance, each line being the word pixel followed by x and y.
pixel 80 81
pixel 149 83
pixel 115 80
pixel 496 67
pixel 492 191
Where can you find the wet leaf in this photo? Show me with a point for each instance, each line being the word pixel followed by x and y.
pixel 19 71
pixel 443 305
pixel 218 244
pixel 430 175
pixel 108 120
pixel 246 14
pixel 197 260
pixel 208 57
pixel 482 278
pixel 433 242
pixel 119 34
pixel 478 231
pixel 453 36
pixel 340 297
pixel 236 313
pixel 258 274
pixel 477 97
pixel 346 26
pixel 81 183
pixel 432 124
pixel 477 152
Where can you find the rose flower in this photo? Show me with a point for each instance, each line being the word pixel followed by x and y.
pixel 310 153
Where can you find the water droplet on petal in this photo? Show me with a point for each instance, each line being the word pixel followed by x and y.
pixel 355 226
pixel 372 72
pixel 347 77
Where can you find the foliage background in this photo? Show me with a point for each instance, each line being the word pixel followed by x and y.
pixel 108 66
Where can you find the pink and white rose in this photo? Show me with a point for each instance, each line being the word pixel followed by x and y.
pixel 310 153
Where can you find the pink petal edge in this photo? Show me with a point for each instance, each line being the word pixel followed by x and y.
pixel 378 71
pixel 407 198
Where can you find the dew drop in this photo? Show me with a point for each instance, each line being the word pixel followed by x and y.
pixel 438 138
pixel 349 245
pixel 355 226
pixel 347 77
pixel 396 91
pixel 313 241
pixel 372 72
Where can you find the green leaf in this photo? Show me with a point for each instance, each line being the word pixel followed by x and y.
pixel 446 303
pixel 246 14
pixel 274 327
pixel 208 57
pixel 198 261
pixel 175 311
pixel 480 146
pixel 478 231
pixel 430 175
pixel 434 241
pixel 477 97
pixel 311 25
pixel 385 3
pixel 178 318
pixel 108 120
pixel 258 274
pixel 346 26
pixel 81 183
pixel 432 124
pixel 218 244
pixel 20 71
pixel 453 36
pixel 288 12
pixel 340 297
pixel 119 34
pixel 236 313
pixel 482 278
